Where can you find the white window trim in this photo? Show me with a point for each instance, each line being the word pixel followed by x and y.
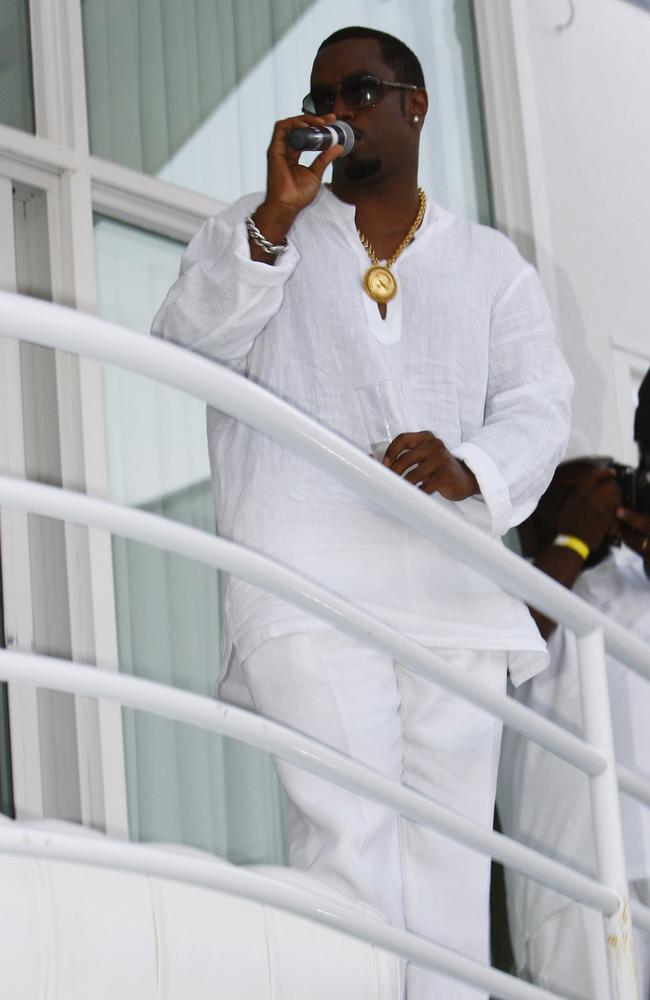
pixel 58 72
pixel 147 202
pixel 14 542
pixel 513 133
pixel 505 133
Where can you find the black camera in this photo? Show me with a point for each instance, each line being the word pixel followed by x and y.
pixel 634 485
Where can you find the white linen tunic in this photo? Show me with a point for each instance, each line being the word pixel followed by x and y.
pixel 545 802
pixel 469 335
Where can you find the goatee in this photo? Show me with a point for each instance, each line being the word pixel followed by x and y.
pixel 360 170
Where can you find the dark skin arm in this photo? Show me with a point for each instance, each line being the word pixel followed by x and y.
pixel 436 470
pixel 563 565
pixel 589 513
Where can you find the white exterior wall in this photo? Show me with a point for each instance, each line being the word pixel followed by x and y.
pixel 585 121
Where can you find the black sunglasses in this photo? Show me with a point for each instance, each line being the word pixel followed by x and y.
pixel 361 90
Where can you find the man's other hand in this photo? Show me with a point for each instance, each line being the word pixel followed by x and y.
pixel 429 465
pixel 635 532
pixel 589 511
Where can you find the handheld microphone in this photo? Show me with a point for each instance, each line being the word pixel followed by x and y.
pixel 322 137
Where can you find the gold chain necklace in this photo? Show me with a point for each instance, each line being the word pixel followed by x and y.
pixel 379 281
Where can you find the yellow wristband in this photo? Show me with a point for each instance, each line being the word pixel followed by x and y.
pixel 576 544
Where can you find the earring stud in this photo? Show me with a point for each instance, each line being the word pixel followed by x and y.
pixel 416 118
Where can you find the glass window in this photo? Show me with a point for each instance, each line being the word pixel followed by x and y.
pixel 16 95
pixel 189 92
pixel 180 61
pixel 183 785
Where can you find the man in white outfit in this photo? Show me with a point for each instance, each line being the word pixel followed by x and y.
pixel 274 286
pixel 543 801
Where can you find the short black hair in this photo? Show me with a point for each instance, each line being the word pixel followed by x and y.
pixel 397 56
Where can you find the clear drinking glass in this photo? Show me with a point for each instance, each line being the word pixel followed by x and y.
pixel 383 405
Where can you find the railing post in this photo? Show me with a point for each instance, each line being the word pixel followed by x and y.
pixel 608 831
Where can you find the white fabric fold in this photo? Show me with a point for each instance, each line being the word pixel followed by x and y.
pixel 492 509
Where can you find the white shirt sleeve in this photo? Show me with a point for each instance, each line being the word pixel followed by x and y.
pixel 527 410
pixel 222 299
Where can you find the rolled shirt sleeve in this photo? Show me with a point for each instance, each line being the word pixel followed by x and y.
pixel 222 299
pixel 527 410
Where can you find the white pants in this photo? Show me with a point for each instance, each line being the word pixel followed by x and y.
pixel 359 701
pixel 567 953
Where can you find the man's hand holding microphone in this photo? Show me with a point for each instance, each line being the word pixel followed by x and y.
pixel 290 186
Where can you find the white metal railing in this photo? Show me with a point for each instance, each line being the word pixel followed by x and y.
pixel 51 326
pixel 221 554
pixel 309 754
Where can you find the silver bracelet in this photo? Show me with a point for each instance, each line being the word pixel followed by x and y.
pixel 261 241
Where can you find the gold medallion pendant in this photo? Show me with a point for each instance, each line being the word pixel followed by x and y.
pixel 378 281
pixel 380 284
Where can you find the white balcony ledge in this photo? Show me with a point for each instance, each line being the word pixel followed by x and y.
pixel 73 931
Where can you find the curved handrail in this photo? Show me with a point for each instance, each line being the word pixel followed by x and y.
pixel 307 753
pixel 210 550
pixel 264 889
pixel 55 326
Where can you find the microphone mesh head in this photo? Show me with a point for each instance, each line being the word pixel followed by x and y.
pixel 348 135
